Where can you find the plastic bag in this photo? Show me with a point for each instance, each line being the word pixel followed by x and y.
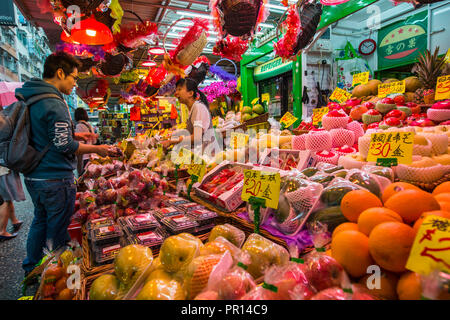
pixel 384 172
pixel 436 285
pixel 229 232
pixel 178 251
pixel 263 254
pixel 220 245
pixel 335 191
pixel 367 181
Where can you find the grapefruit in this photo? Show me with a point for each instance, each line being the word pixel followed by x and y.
pixel 442 188
pixel 356 201
pixel 390 244
pixel 395 187
pixel 409 286
pixel 387 286
pixel 343 227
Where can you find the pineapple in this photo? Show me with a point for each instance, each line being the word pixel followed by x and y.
pixel 428 69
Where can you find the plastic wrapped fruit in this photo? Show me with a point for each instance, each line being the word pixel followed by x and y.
pixel 371 116
pixel 364 180
pixel 131 262
pixel 263 253
pixel 197 274
pixel 229 232
pixel 162 289
pixel 235 284
pixel 336 190
pixel 178 251
pixel 105 287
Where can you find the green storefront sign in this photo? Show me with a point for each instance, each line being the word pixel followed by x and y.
pixel 271 69
pixel 401 43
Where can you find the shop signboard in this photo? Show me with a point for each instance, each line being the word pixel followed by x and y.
pixel 401 43
pixel 7 16
pixel 271 69
pixel 443 88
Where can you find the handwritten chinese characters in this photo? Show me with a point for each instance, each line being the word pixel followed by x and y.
pixel 262 184
pixel 396 145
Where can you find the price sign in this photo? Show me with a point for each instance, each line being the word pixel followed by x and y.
pixel 265 97
pixel 391 145
pixel 288 119
pixel 255 100
pixel 318 114
pixel 262 184
pixel 215 121
pixel 152 119
pixel 447 56
pixel 394 87
pixel 360 78
pixel 160 153
pixel 431 247
pixel 238 140
pixel 339 95
pixel 443 88
pixel 198 168
pixel 241 105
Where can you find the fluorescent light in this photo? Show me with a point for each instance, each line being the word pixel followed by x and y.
pixel 276 7
pixel 195 15
pixel 186 29
pixel 266 25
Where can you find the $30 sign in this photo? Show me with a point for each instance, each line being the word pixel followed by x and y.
pixel 262 184
pixel 391 145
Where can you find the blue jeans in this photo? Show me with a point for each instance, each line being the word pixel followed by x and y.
pixel 54 203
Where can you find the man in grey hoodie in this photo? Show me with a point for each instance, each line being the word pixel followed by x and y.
pixel 51 185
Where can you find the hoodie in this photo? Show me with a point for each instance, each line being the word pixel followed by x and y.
pixel 51 123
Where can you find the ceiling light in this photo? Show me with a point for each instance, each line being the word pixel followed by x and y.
pixel 266 25
pixel 156 51
pixel 195 15
pixel 148 63
pixel 90 32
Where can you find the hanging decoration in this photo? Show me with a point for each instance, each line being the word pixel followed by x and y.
pixel 114 64
pixel 135 113
pixel 116 13
pixel 219 89
pixel 99 90
pixel 231 47
pixel 155 76
pixel 286 45
pixel 127 77
pixel 221 73
pixel 169 88
pixel 82 50
pixel 132 35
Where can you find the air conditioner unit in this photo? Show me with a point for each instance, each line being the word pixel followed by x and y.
pixel 323 45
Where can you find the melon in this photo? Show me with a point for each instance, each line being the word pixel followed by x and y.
pixel 390 80
pixel 412 84
pixel 361 90
pixel 373 86
pixel 409 96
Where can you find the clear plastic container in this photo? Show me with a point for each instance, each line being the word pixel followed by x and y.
pixel 175 201
pixel 190 206
pixel 202 216
pixel 106 254
pixel 203 229
pixel 150 239
pixel 179 224
pixel 140 223
pixel 106 235
pixel 100 222
pixel 167 212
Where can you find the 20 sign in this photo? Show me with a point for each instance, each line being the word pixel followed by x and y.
pixel 262 184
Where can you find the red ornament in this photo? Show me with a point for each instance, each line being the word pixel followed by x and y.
pixel 135 113
pixel 89 31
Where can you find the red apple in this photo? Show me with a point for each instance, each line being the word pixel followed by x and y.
pixel 334 293
pixel 399 100
pixel 324 271
pixel 394 113
pixel 373 125
pixel 235 285
pixel 387 101
pixel 373 112
pixel 336 113
pixel 369 105
pixel 392 121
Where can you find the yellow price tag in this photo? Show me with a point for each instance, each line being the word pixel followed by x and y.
pixel 262 184
pixel 431 247
pixel 318 114
pixel 447 56
pixel 238 140
pixel 442 88
pixel 394 87
pixel 255 100
pixel 198 168
pixel 26 298
pixel 360 78
pixel 241 105
pixel 215 121
pixel 288 119
pixel 391 145
pixel 265 97
pixel 340 95
pixel 160 153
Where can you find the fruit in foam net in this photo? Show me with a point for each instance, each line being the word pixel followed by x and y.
pixel 162 289
pixel 396 114
pixel 178 251
pixel 131 262
pixel 407 111
pixel 105 287
pixel 263 254
pixel 371 116
pixel 385 105
pixel 197 274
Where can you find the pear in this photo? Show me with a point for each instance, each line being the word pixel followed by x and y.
pixel 178 251
pixel 162 289
pixel 131 262
pixel 229 232
pixel 105 287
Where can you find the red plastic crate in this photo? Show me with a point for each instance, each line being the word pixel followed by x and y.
pixel 75 231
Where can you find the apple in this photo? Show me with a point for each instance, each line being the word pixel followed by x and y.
pixel 324 271
pixel 369 105
pixel 373 125
pixel 445 104
pixel 105 287
pixel 131 262
pixel 336 113
pixel 396 114
pixel 333 105
pixel 399 100
pixel 235 285
pixel 178 251
pixel 334 293
pixel 393 121
pixel 373 112
pixel 387 101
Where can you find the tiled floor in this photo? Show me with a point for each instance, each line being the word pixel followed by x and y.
pixel 13 252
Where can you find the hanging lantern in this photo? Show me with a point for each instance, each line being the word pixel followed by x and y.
pixel 90 32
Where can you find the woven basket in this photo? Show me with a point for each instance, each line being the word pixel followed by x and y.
pixel 189 54
pixel 310 14
pixel 239 17
pixel 231 61
pixel 113 65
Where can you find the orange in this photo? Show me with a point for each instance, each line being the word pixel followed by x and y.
pixel 409 287
pixel 443 197
pixel 351 249
pixel 395 187
pixel 445 205
pixel 410 204
pixel 442 188
pixel 387 286
pixel 370 218
pixel 344 226
pixel 328 253
pixel 439 213
pixel 390 244
pixel 356 201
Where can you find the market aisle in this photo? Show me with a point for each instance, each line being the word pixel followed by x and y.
pixel 12 253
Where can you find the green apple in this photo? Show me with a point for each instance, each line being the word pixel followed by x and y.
pixel 105 287
pixel 259 109
pixel 131 262
pixel 247 110
pixel 162 289
pixel 178 251
pixel 263 254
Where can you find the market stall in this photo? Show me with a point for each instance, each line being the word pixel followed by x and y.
pixel 301 199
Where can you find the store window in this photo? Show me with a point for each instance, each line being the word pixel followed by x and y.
pixel 280 91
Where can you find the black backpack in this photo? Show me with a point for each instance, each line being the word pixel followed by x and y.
pixel 16 153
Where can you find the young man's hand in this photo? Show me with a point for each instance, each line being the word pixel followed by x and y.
pixel 104 150
pixel 85 136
